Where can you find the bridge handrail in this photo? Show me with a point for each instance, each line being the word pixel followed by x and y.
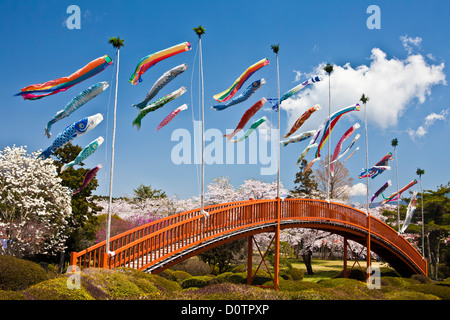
pixel 378 227
pixel 92 256
pixel 199 228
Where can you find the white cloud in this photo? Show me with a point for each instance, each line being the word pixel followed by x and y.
pixel 429 120
pixel 358 189
pixel 298 75
pixel 410 43
pixel 390 84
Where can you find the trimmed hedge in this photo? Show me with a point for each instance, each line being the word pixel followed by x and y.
pixel 18 274
pixel 198 282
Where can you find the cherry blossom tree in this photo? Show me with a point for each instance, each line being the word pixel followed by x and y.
pixel 35 208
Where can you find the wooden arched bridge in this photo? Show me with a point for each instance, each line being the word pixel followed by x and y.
pixel 160 244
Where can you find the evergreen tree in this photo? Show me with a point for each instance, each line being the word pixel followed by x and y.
pixel 146 192
pixel 305 183
pixel 85 222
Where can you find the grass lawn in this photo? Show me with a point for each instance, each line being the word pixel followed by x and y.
pixel 327 269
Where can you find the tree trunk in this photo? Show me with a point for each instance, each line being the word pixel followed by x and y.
pixel 430 260
pixel 61 262
pixel 306 255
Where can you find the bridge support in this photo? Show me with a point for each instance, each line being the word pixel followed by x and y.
pixel 345 257
pixel 276 267
pixel 249 260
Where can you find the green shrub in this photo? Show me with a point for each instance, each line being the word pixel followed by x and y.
pixel 286 276
pixel 356 274
pixel 296 274
pixel 165 285
pixel 294 285
pixel 180 275
pixel 197 281
pixel 119 284
pixel 168 274
pixel 398 282
pixel 440 291
pixel 193 266
pixel 19 274
pixel 341 282
pixel 11 295
pixel 55 289
pixel 231 291
pixel 388 272
pixel 239 268
pixel 409 295
pixel 421 278
pixel 446 282
pixel 260 277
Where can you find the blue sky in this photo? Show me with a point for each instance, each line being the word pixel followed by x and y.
pixel 401 67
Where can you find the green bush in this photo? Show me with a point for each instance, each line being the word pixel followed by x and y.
pixel 296 274
pixel 168 274
pixel 388 272
pixel 446 282
pixel 11 295
pixel 55 289
pixel 440 291
pixel 193 266
pixel 356 274
pixel 421 278
pixel 294 285
pixel 286 276
pixel 398 282
pixel 180 275
pixel 165 285
pixel 118 284
pixel 239 268
pixel 341 282
pixel 19 274
pixel 197 281
pixel 409 295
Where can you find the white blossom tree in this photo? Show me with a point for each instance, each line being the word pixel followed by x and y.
pixel 35 208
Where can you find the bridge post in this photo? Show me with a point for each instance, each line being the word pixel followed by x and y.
pixel 277 247
pixel 105 261
pixel 368 241
pixel 249 260
pixel 345 257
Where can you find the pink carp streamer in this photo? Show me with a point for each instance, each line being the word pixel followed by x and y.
pixel 350 155
pixel 338 147
pixel 301 120
pixel 310 164
pixel 88 177
pixel 171 115
pixel 246 117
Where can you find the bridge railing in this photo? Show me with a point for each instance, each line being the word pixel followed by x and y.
pixel 308 209
pixel 93 257
pixel 192 231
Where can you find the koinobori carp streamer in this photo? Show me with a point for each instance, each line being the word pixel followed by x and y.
pixel 149 61
pixel 231 91
pixel 246 117
pixel 160 83
pixel 77 102
pixel 38 91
